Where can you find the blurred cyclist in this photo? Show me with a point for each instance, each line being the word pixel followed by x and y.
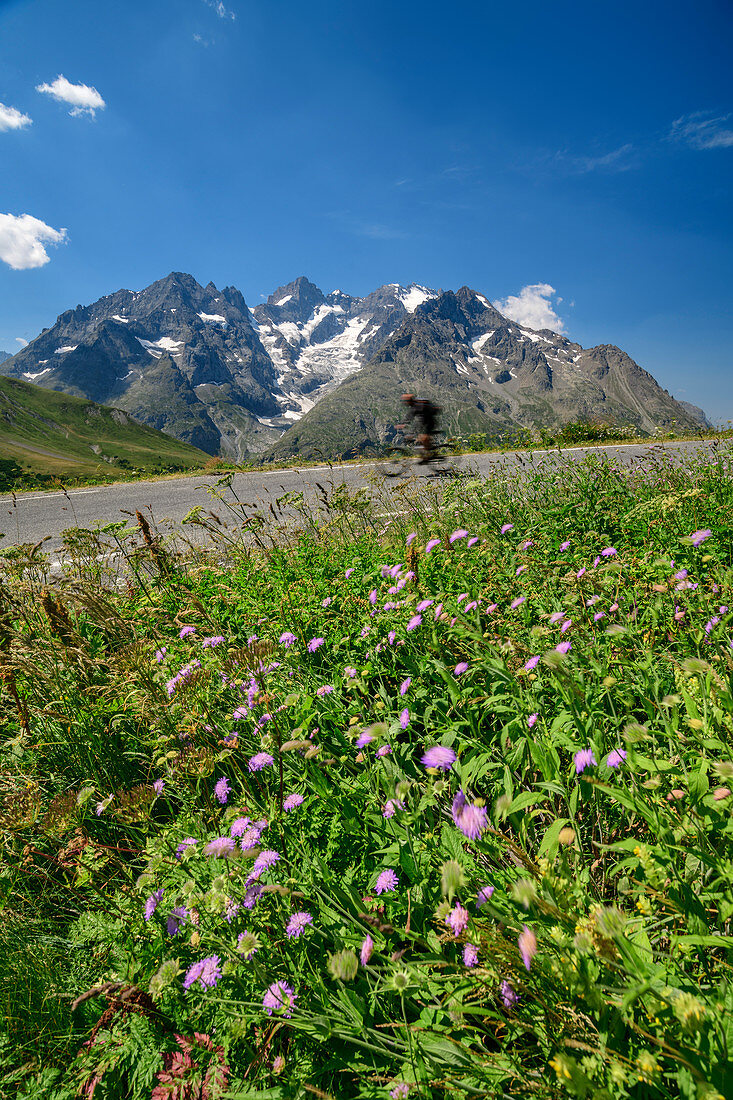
pixel 425 415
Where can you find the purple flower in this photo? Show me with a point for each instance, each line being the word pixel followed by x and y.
pixel 187 631
pixel 206 972
pixel 556 616
pixel 565 545
pixel 292 802
pixel 470 955
pixel 287 639
pixel 507 527
pixel 152 904
pixel 350 672
pixel 220 847
pixel 348 573
pixel 609 552
pixel 324 689
pixel 459 534
pixel 373 596
pixel 211 643
pixel 187 843
pixel 222 789
pixel 457 919
pixel 460 668
pixel 405 685
pixel 520 570
pixel 414 622
pixel 383 750
pixel 526 545
pixel 391 637
pixel 566 626
pixel 698 537
pixel 405 718
pixel 366 950
pixel 251 896
pixel 580 573
pixel 259 761
pixel 508 996
pixel 472 541
pixel 491 608
pixel 599 615
pixel 239 826
pixel 431 545
pixel 266 859
pixel 531 663
pixel 583 759
pixel 527 945
pixel 438 611
pixel 392 806
pixel 280 998
pixel 297 924
pixel 160 654
pixel 314 644
pixel 410 538
pixel 158 786
pixel 386 882
pixel 250 839
pixel 176 920
pixel 596 562
pixel 483 896
pixel 424 605
pixel 363 740
pixel 471 606
pixel 439 756
pixel 470 818
pixel 327 602
pixel 515 603
pixel 563 647
pixel 615 758
pixel 252 639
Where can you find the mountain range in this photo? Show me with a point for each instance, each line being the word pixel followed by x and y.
pixel 307 373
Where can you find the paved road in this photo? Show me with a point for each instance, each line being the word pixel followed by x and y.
pixel 31 516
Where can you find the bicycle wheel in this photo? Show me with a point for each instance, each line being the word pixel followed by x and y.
pixel 397 463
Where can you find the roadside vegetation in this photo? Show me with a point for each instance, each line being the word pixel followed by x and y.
pixel 426 793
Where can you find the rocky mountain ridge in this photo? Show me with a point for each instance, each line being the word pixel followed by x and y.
pixel 488 374
pixel 197 363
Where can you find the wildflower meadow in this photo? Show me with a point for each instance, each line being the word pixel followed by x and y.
pixel 425 793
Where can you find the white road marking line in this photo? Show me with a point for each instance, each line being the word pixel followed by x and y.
pixel 50 496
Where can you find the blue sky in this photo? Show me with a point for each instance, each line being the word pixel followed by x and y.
pixel 579 146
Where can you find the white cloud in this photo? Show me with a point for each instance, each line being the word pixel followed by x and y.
pixel 533 307
pixel 701 131
pixel 19 340
pixel 220 10
pixel 82 99
pixel 13 119
pixel 23 239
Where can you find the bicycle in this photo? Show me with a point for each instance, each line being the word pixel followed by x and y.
pixel 409 458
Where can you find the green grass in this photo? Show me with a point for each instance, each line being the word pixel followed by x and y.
pixel 602 953
pixel 47 436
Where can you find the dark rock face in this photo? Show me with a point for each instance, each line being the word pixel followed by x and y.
pixel 162 354
pixel 313 373
pixel 4 355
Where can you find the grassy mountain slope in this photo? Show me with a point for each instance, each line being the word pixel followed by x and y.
pixel 54 433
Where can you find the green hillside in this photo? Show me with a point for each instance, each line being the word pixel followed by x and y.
pixel 45 434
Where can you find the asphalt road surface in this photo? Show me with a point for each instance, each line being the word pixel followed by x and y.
pixel 30 517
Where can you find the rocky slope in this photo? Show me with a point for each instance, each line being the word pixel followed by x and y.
pixel 488 374
pixel 196 363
